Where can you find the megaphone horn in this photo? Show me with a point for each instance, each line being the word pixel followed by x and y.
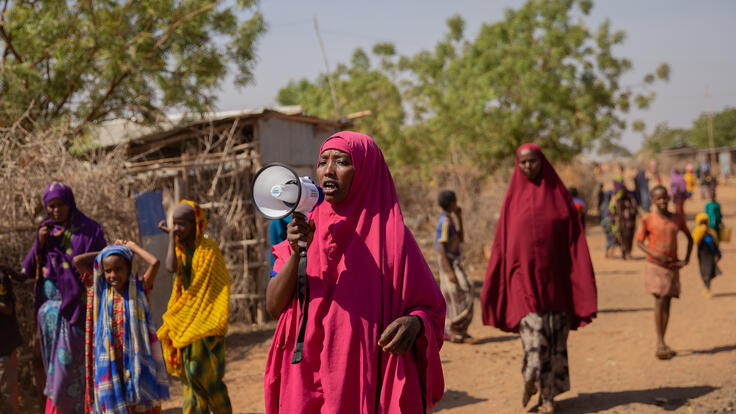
pixel 277 191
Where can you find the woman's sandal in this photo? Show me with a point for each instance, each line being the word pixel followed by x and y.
pixel 665 354
pixel 546 408
pixel 467 339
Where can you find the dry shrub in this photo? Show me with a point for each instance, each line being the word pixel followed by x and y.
pixel 480 199
pixel 579 173
pixel 29 162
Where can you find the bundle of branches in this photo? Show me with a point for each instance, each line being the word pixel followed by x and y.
pixel 29 162
pixel 214 167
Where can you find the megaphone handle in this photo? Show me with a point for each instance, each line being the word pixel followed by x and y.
pixel 302 292
pixel 302 244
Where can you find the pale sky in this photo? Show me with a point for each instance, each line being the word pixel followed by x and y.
pixel 696 38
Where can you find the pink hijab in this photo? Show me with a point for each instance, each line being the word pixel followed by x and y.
pixel 365 270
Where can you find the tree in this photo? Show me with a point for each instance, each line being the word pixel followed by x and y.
pixel 724 133
pixel 613 149
pixel 538 75
pixel 664 137
pixel 359 86
pixel 83 62
pixel 724 129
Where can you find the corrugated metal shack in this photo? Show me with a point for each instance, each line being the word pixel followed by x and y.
pixel 212 162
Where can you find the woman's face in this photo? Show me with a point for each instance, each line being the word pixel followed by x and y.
pixel 335 174
pixel 185 227
pixel 529 163
pixel 58 210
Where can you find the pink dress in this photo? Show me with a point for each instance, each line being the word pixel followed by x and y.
pixel 365 270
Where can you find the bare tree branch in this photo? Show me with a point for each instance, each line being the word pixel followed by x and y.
pixel 93 114
pixel 8 42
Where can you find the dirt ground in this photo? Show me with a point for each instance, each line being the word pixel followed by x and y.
pixel 612 363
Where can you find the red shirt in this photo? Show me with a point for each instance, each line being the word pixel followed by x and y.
pixel 662 233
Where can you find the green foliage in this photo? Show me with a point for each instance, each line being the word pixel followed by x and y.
pixel 664 137
pixel 614 149
pixel 540 74
pixel 724 129
pixel 724 133
pixel 359 87
pixel 638 125
pixel 83 62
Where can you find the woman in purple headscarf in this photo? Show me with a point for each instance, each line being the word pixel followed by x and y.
pixel 678 191
pixel 59 297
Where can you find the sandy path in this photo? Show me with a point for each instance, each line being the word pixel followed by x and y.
pixel 612 364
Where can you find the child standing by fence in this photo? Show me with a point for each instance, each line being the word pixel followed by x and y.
pixel 662 268
pixel 124 362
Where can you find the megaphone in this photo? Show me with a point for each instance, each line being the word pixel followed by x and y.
pixel 277 191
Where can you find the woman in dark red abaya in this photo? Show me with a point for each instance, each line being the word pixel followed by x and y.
pixel 540 280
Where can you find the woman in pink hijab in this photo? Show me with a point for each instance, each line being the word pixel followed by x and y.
pixel 376 314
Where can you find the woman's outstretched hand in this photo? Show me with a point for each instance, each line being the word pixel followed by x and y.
pixel 399 335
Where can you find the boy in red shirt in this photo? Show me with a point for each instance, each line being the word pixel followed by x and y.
pixel 662 268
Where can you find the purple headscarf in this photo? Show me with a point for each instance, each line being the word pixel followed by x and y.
pixel 80 235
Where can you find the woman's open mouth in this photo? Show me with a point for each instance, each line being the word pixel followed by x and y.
pixel 330 187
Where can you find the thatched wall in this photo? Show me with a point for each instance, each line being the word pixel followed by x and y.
pixel 29 162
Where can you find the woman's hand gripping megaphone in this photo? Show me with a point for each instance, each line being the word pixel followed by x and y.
pixel 299 232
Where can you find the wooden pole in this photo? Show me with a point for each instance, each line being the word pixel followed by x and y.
pixel 178 189
pixel 710 131
pixel 327 69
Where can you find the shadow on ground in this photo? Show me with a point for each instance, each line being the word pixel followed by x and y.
pixel 455 399
pixel 616 256
pixel 714 350
pixel 625 310
pixel 240 342
pixel 477 286
pixel 724 295
pixel 496 339
pixel 669 398
pixel 613 272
